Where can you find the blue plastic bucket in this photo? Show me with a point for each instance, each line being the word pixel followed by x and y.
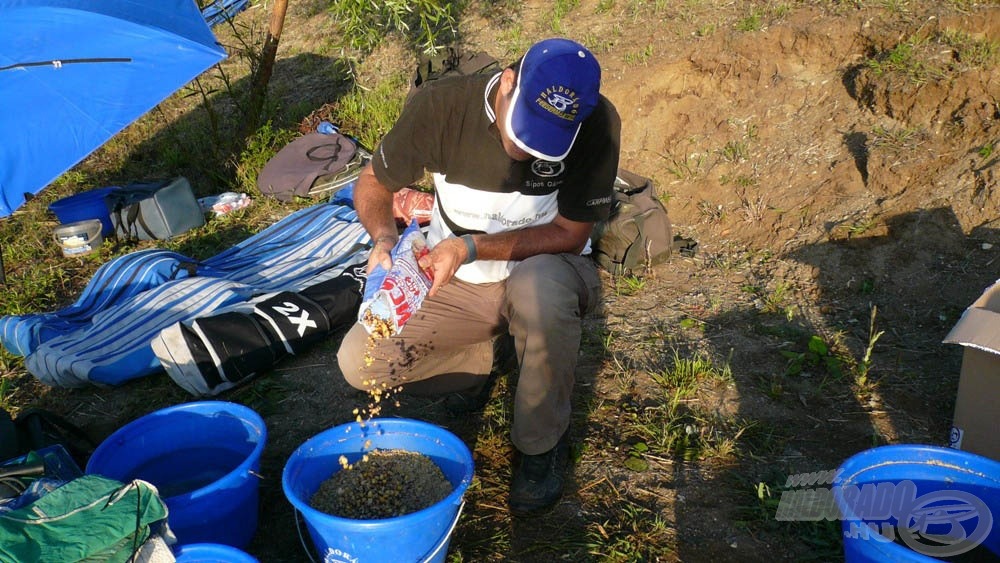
pixel 90 204
pixel 893 499
pixel 204 459
pixel 212 553
pixel 419 536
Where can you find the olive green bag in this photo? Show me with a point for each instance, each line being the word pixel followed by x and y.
pixel 451 62
pixel 638 233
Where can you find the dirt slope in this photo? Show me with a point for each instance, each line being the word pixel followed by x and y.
pixel 798 168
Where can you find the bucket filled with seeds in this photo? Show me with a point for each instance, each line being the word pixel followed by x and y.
pixel 382 490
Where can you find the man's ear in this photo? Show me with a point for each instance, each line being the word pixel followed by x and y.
pixel 508 81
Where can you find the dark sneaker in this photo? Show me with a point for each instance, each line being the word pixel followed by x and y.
pixel 539 479
pixel 504 363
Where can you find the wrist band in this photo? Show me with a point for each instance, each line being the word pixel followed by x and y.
pixel 392 241
pixel 470 247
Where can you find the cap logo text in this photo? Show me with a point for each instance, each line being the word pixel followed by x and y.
pixel 560 101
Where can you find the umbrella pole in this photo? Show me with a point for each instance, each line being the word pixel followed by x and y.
pixel 3 272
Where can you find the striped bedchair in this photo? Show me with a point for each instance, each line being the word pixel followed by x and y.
pixel 104 337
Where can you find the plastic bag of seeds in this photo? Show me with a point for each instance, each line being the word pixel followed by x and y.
pixel 392 297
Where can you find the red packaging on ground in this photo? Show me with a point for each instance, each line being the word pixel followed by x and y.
pixel 409 204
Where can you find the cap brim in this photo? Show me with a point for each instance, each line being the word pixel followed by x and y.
pixel 536 135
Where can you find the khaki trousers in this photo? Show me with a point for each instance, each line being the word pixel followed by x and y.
pixel 448 344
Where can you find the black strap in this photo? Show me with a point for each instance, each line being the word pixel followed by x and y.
pixel 684 246
pixel 127 210
pixel 10 443
pixel 142 221
pixel 40 428
pixel 637 254
pixel 454 227
pixel 329 159
pixel 59 62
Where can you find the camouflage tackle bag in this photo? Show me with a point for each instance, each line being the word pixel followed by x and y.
pixel 638 232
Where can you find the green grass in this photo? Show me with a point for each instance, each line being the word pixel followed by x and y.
pixel 754 21
pixel 260 147
pixel 675 427
pixel 685 167
pixel 757 511
pixel 427 24
pixel 985 151
pixel 901 59
pixel 369 114
pixel 735 151
pixel 895 6
pixel 639 58
pixel 6 384
pixel 975 52
pixel 705 30
pixel 629 284
pixel 559 10
pixel 897 139
pixel 635 533
pixel 864 365
pixel 861 226
pixel 604 6
pixel 936 56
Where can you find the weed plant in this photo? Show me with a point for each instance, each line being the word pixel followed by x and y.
pixel 429 24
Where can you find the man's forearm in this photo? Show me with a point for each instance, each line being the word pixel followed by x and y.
pixel 553 238
pixel 373 202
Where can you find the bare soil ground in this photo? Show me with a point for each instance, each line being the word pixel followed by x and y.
pixel 819 191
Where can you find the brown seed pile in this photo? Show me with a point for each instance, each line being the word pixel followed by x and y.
pixel 386 484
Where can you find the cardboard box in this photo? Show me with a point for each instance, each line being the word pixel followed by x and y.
pixel 976 426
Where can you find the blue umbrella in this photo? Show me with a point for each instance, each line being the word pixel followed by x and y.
pixel 73 73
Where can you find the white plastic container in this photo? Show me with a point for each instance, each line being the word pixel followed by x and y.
pixel 79 238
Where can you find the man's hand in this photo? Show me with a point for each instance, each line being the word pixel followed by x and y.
pixel 443 261
pixel 374 204
pixel 381 254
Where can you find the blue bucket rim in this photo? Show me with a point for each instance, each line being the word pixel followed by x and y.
pixel 455 497
pixel 945 458
pixel 216 549
pixel 92 193
pixel 198 407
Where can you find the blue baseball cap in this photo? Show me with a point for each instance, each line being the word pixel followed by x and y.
pixel 557 88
